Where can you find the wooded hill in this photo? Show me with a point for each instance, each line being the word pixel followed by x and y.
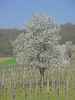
pixel 67 32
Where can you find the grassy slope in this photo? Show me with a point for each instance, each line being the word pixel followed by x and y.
pixel 22 94
pixel 7 60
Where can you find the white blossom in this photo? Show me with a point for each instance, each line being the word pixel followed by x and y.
pixel 37 46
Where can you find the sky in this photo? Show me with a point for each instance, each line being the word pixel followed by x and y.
pixel 16 13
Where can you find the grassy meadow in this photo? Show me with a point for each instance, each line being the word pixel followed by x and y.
pixel 7 60
pixel 35 93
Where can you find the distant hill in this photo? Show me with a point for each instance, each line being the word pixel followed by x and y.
pixel 9 34
pixel 5 36
pixel 67 32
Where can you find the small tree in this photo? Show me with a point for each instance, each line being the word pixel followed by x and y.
pixel 37 47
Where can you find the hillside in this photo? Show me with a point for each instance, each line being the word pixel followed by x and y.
pixel 67 32
pixel 5 36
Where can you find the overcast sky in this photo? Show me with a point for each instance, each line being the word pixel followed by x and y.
pixel 16 13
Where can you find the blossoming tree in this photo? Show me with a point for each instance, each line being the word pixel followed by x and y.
pixel 37 47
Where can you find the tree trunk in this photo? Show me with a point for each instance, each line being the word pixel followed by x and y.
pixel 42 70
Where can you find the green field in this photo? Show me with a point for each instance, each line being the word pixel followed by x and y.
pixel 7 60
pixel 35 93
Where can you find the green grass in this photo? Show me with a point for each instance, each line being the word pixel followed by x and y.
pixel 36 94
pixel 7 60
pixel 22 94
pixel 26 94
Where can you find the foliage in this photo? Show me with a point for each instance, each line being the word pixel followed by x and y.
pixel 37 47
